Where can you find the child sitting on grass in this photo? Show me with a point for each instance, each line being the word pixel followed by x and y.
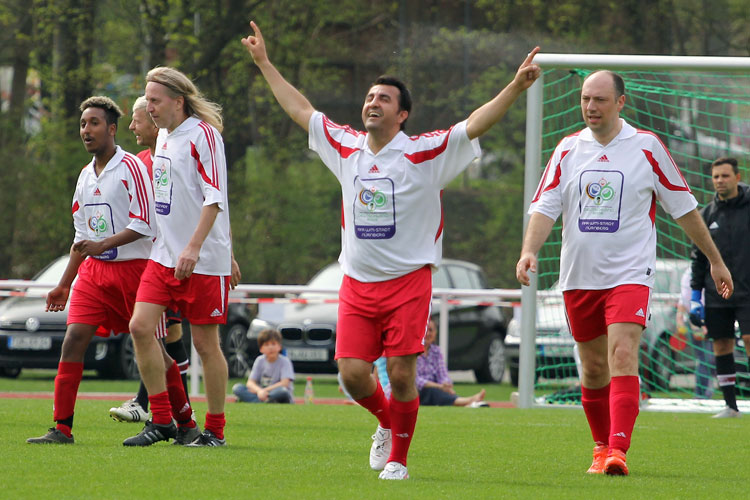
pixel 271 379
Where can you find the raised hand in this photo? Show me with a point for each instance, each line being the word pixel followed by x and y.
pixel 528 72
pixel 255 45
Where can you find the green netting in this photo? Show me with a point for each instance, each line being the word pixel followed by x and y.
pixel 699 117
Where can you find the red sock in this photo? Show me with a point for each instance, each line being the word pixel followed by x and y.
pixel 378 406
pixel 596 407
pixel 404 419
pixel 66 389
pixel 623 407
pixel 215 423
pixel 181 410
pixel 161 413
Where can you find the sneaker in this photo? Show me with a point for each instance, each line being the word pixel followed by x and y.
pixel 728 412
pixel 479 404
pixel 615 464
pixel 600 455
pixel 129 411
pixel 207 438
pixel 381 448
pixel 186 435
pixel 53 436
pixel 152 433
pixel 394 470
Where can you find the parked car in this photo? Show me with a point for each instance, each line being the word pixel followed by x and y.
pixel 309 330
pixel 659 358
pixel 234 342
pixel 32 338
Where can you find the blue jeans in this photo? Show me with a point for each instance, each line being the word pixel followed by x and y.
pixel 432 396
pixel 278 395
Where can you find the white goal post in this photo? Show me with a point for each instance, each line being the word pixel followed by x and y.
pixel 534 162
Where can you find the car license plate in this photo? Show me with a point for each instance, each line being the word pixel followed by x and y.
pixel 29 342
pixel 305 354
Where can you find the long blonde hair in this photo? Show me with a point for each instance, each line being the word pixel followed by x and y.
pixel 178 84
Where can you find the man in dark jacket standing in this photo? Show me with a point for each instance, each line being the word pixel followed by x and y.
pixel 728 219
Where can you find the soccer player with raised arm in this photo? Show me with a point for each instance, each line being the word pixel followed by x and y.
pixel 605 180
pixel 391 235
pixel 191 261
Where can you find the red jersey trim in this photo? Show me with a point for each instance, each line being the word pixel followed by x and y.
pixel 75 208
pixel 555 180
pixel 660 174
pixel 212 148
pixel 442 219
pixel 652 210
pixel 344 151
pixel 201 168
pixel 139 188
pixel 430 154
pixel 669 155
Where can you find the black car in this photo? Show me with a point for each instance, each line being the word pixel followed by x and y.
pixel 32 338
pixel 237 348
pixel 476 332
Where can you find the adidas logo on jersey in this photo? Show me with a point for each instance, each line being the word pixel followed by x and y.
pixel 713 225
pixel 99 193
pixel 216 313
pixel 603 158
pixel 374 170
pixel 640 313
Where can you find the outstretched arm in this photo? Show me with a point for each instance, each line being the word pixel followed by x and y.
pixel 490 113
pixel 292 101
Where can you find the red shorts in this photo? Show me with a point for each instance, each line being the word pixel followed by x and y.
pixel 590 312
pixel 104 294
pixel 384 318
pixel 201 298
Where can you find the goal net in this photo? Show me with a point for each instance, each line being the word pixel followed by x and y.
pixel 699 116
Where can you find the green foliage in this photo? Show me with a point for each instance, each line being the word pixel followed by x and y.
pixel 286 214
pixel 454 55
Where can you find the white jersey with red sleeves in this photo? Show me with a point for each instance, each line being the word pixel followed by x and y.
pixel 121 197
pixel 607 196
pixel 190 172
pixel 392 221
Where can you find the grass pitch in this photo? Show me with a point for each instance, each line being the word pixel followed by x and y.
pixel 321 451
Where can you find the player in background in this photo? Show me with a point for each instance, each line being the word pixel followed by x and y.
pixel 727 216
pixel 605 180
pixel 391 235
pixel 113 217
pixel 190 263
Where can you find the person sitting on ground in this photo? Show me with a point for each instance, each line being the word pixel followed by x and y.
pixel 271 379
pixel 433 382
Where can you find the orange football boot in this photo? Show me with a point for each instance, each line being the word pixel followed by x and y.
pixel 600 455
pixel 615 464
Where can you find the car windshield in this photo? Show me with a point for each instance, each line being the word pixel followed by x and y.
pixel 330 276
pixel 53 272
pixel 50 274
